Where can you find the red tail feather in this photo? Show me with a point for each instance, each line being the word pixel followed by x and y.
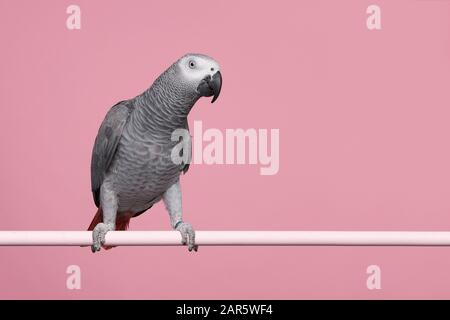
pixel 98 218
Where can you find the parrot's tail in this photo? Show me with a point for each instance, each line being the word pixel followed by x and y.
pixel 98 218
pixel 122 222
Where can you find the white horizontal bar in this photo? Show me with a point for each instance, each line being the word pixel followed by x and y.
pixel 230 238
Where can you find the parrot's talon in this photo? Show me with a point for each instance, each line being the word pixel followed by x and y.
pixel 195 248
pixel 187 236
pixel 99 234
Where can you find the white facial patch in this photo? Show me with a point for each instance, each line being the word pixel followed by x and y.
pixel 196 67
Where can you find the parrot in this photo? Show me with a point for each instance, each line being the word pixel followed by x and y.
pixel 131 166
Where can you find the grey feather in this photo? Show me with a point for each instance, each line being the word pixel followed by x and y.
pixel 132 151
pixel 106 143
pixel 186 165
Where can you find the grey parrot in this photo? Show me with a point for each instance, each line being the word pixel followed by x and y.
pixel 132 167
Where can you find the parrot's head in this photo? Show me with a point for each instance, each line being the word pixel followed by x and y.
pixel 200 75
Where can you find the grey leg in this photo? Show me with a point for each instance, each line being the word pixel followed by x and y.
pixel 108 202
pixel 172 200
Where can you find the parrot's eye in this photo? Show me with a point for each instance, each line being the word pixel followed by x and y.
pixel 192 64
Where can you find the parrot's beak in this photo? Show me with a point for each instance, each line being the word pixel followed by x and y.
pixel 211 86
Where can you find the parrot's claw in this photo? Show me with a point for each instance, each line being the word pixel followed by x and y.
pixel 98 235
pixel 187 235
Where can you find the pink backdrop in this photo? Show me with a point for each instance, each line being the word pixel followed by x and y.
pixel 363 118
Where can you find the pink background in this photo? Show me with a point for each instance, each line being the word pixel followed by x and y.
pixel 364 127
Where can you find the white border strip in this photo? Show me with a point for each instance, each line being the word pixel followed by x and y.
pixel 230 238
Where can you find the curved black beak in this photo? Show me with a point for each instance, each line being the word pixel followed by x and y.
pixel 211 86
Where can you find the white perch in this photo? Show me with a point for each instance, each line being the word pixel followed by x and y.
pixel 230 238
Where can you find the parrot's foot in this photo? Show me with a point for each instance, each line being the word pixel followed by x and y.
pixel 98 235
pixel 187 235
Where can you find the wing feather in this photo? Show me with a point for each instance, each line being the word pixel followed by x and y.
pixel 106 143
